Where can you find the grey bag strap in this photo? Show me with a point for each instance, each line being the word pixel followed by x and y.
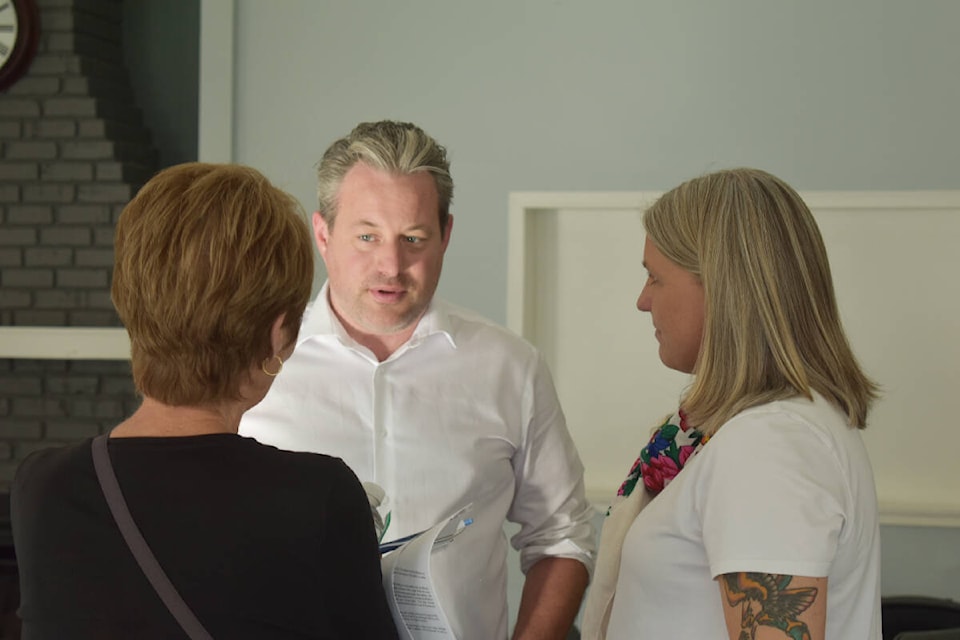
pixel 138 546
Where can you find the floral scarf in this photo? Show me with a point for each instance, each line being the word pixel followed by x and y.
pixel 672 444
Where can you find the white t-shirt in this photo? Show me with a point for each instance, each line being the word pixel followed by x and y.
pixel 782 488
pixel 464 412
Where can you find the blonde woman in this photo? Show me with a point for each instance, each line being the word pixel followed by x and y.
pixel 751 513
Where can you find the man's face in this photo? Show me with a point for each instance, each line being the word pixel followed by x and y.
pixel 384 252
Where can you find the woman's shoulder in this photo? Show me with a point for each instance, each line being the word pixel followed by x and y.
pixel 815 410
pixel 56 460
pixel 302 475
pixel 300 460
pixel 794 419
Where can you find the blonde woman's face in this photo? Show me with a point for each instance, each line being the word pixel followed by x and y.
pixel 674 299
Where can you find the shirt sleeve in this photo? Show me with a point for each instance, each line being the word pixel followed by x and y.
pixel 353 584
pixel 773 500
pixel 549 505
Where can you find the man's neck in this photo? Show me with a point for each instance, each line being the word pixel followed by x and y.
pixel 382 345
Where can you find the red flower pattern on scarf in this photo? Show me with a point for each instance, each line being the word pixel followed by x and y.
pixel 669 449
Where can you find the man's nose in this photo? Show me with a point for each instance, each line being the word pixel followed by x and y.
pixel 390 258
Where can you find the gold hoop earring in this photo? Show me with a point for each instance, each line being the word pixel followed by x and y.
pixel 272 374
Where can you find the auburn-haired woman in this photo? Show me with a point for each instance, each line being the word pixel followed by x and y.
pixel 213 267
pixel 752 511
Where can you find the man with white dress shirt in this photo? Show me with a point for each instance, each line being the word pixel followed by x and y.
pixel 436 405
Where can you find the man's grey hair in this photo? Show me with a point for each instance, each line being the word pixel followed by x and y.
pixel 399 148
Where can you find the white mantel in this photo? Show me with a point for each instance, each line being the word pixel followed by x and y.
pixel 64 343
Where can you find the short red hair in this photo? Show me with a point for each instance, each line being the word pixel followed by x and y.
pixel 206 257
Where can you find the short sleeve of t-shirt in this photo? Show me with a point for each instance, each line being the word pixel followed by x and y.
pixel 774 496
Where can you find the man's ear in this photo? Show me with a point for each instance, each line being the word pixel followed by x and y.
pixel 447 231
pixel 321 233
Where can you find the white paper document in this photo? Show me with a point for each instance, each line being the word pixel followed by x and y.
pixel 410 585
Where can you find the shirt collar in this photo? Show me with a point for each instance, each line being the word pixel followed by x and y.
pixel 320 320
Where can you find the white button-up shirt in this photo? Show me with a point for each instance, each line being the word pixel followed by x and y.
pixel 464 412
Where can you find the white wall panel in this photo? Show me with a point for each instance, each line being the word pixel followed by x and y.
pixel 576 271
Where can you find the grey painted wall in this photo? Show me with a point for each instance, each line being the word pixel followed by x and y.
pixel 161 50
pixel 614 95
pixel 606 95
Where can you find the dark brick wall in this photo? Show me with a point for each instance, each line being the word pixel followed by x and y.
pixel 73 151
pixel 51 402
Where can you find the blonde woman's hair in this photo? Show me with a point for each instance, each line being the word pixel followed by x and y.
pixel 399 148
pixel 772 328
pixel 206 258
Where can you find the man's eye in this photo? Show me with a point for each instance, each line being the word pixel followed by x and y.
pixel 413 239
pixel 366 237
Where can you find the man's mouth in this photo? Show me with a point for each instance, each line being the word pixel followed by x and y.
pixel 387 294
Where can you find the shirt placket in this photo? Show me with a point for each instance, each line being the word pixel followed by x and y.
pixel 383 459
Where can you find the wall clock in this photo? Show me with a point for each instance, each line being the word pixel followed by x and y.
pixel 19 33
